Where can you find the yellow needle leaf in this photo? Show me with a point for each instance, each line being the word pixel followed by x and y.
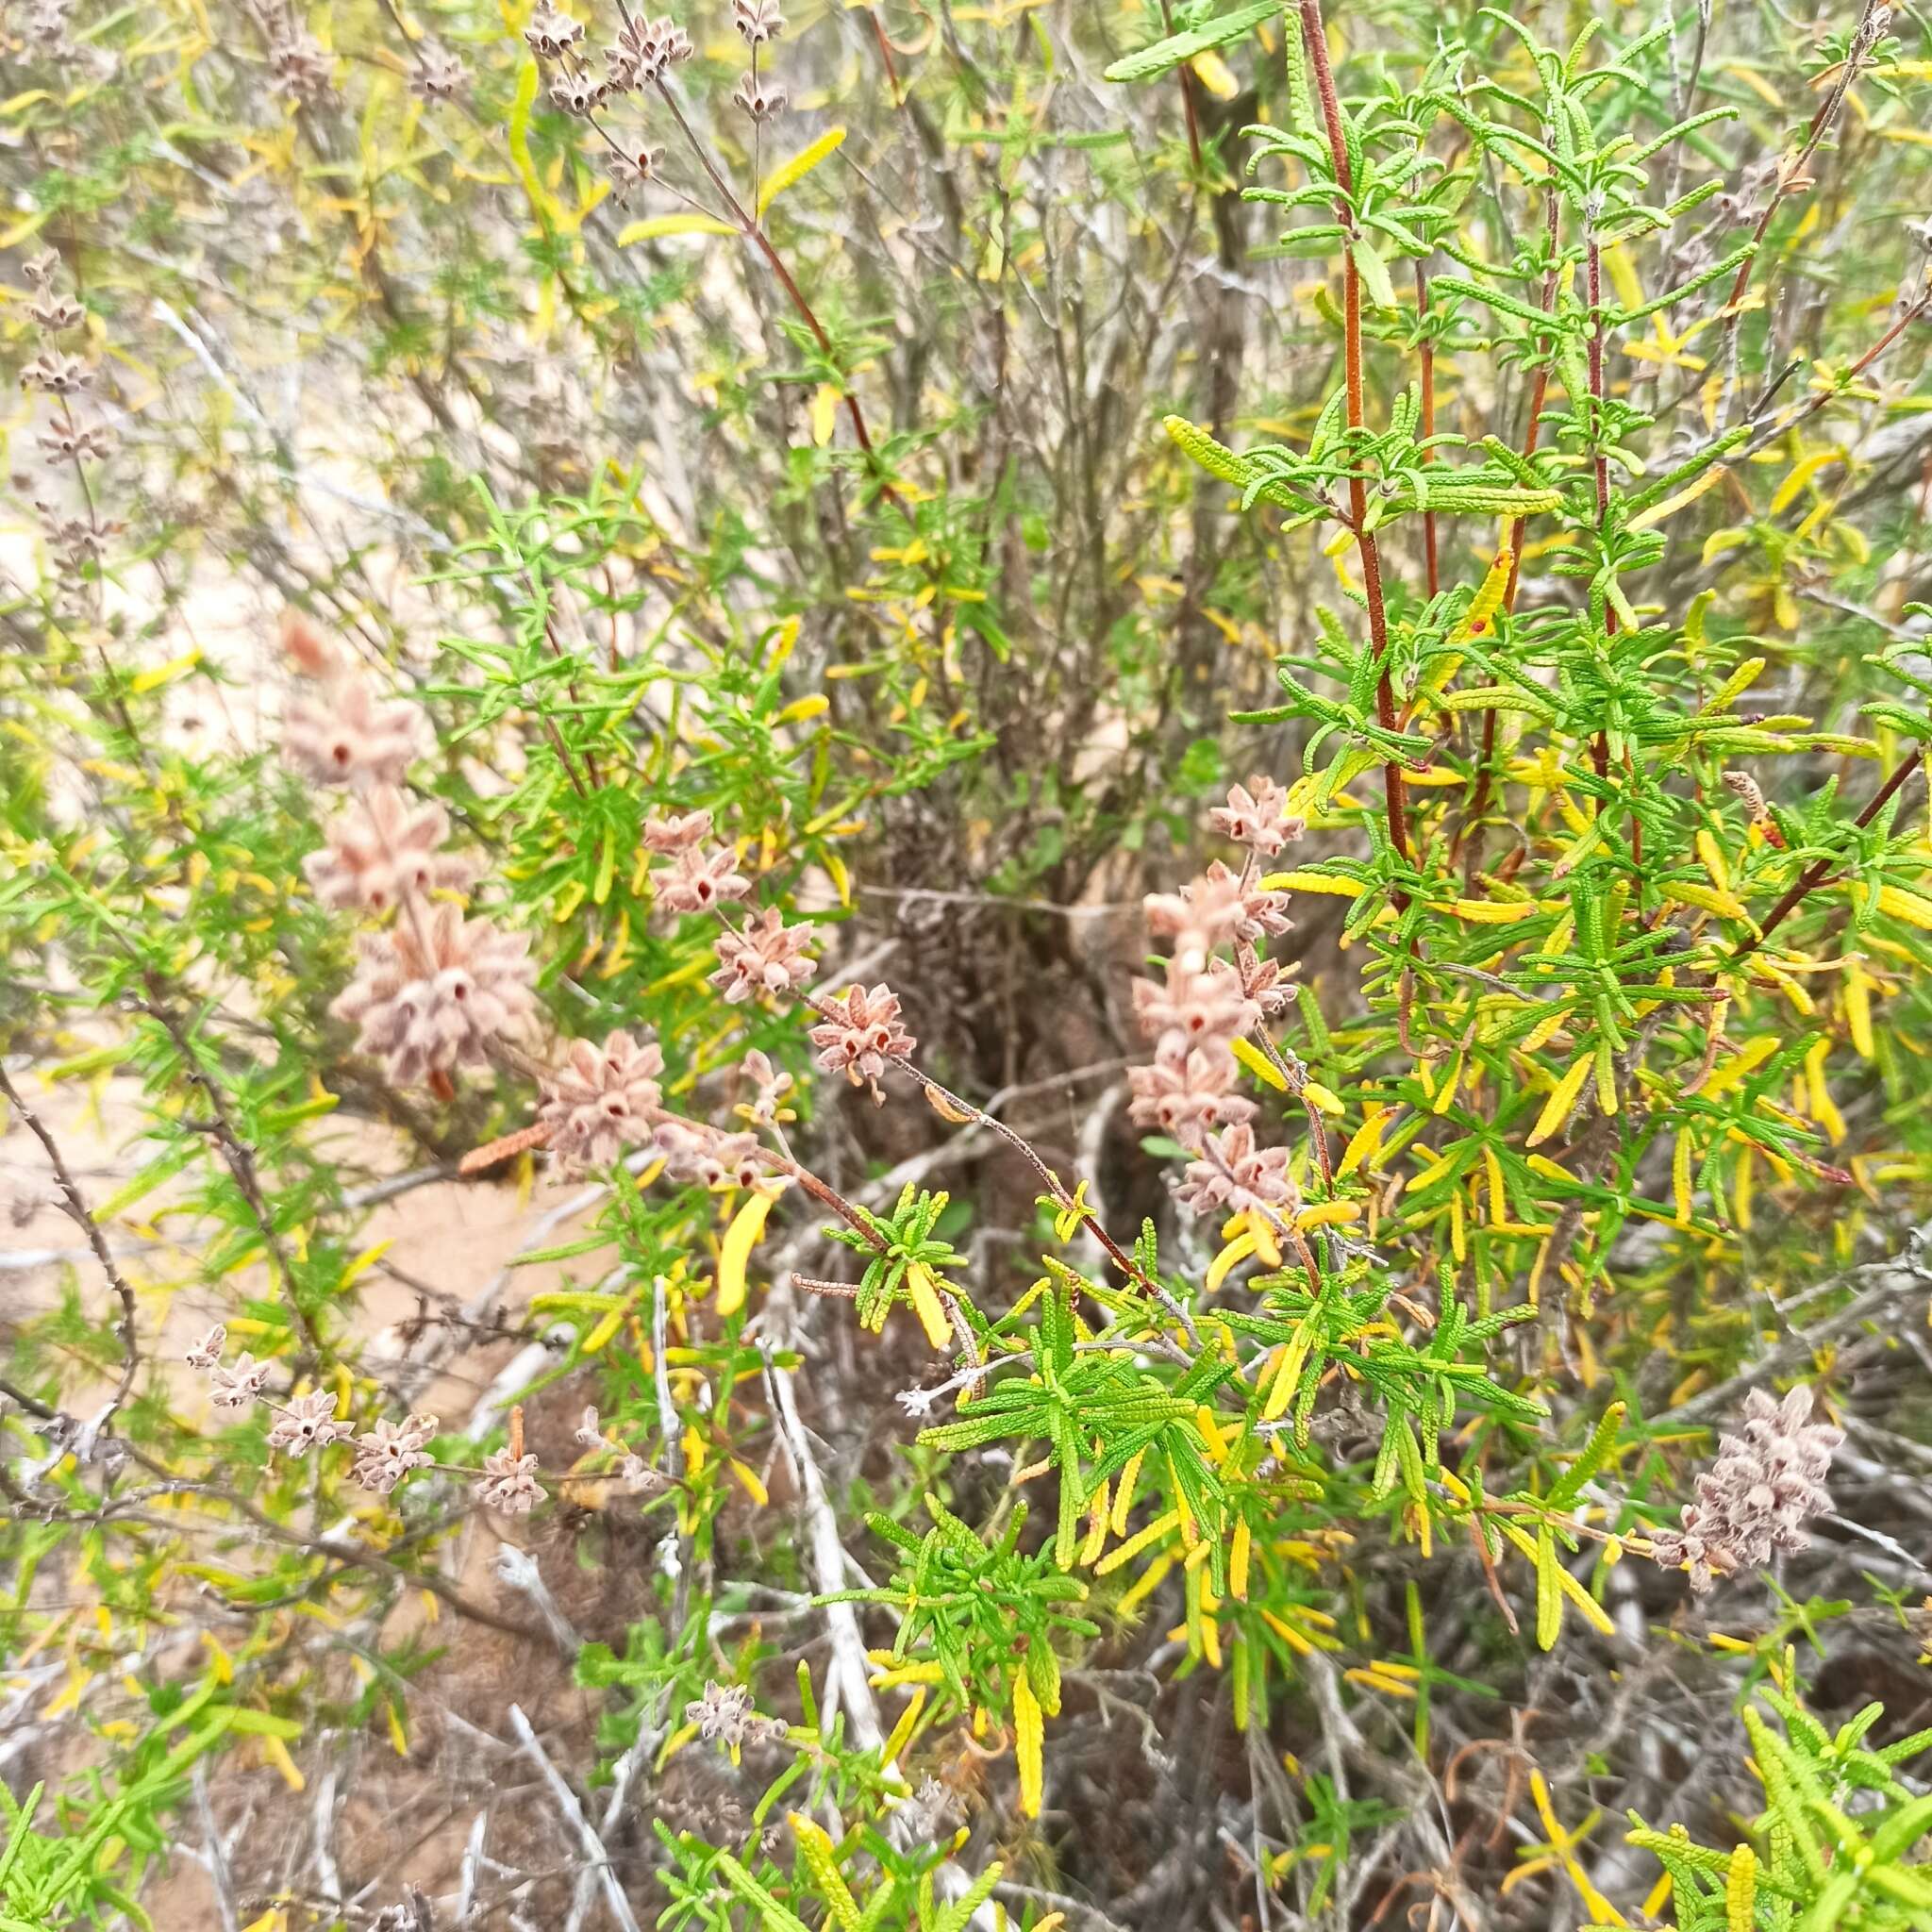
pixel 747 1224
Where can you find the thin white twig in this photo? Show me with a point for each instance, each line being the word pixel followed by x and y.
pixel 594 1852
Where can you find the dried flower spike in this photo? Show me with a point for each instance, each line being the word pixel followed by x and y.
pixel 699 882
pixel 439 76
pixel 1754 1500
pixel 384 851
pixel 678 832
pixel 759 21
pixel 759 98
pixel 349 737
pixel 238 1385
pixel 601 1099
pixel 551 33
pixel 431 999
pixel 509 1482
pixel 208 1351
pixel 1237 1176
pixel 860 1034
pixel 308 1422
pixel 305 647
pixel 391 1450
pixel 1257 816
pixel 766 957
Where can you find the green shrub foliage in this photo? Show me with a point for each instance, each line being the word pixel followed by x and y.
pixel 965 966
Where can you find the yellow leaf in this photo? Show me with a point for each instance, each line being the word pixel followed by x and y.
pixel 542 203
pixel 1907 905
pixel 164 673
pixel 599 1338
pixel 1721 540
pixel 1235 1252
pixel 1238 1560
pixel 1313 882
pixel 1326 1214
pixel 1028 1731
pixel 1216 75
pixel 1801 474
pixel 1556 1109
pixel 1683 499
pixel 797 168
pixel 1324 1097
pixel 1858 984
pixel 652 227
pixel 747 1224
pixel 278 1754
pixel 824 411
pixel 1487 911
pixel 928 1305
pixel 1822 1110
pixel 1364 1141
pixel 363 1262
pixel 1259 1064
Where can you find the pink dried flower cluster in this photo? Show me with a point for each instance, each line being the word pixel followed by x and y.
pixel 434 993
pixel 1257 816
pixel 437 991
pixel 632 1470
pixel 701 881
pixel 346 735
pixel 390 1451
pixel 725 1715
pixel 1767 1479
pixel 698 880
pixel 1234 1176
pixel 697 1152
pixel 308 1422
pixel 766 956
pixel 509 1482
pixel 602 1099
pixel 859 1033
pixel 1218 908
pixel 382 850
pixel 236 1384
pixel 769 1088
pixel 383 1457
pixel 1204 1003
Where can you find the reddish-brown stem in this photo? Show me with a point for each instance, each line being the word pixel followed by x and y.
pixel 1900 322
pixel 885 48
pixel 1393 790
pixel 1429 359
pixel 1532 434
pixel 753 230
pixel 1812 876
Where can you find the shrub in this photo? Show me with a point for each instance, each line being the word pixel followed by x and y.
pixel 586 623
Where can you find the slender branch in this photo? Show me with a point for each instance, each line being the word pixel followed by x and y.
pixel 1427 351
pixel 1790 172
pixel 1814 875
pixel 753 230
pixel 1393 787
pixel 74 1202
pixel 237 1156
pixel 1532 433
